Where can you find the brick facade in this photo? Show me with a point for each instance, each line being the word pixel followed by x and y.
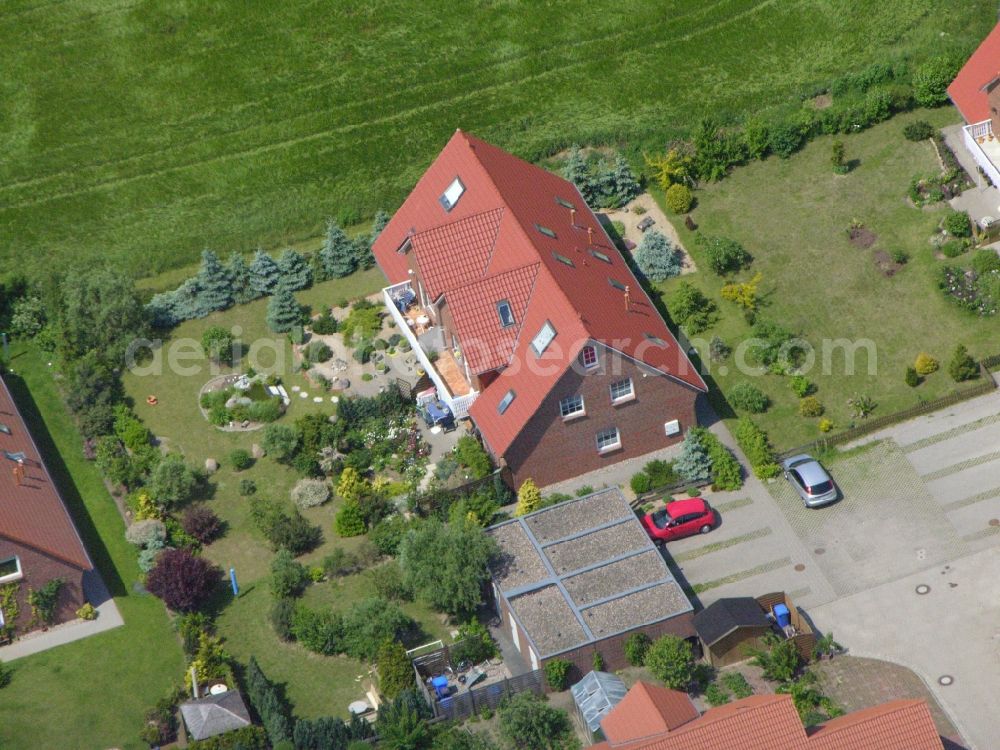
pixel 38 569
pixel 551 449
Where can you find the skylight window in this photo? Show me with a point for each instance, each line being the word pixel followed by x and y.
pixel 546 231
pixel 563 259
pixel 655 339
pixel 506 313
pixel 506 401
pixel 564 203
pixel 4 429
pixel 616 284
pixel 450 196
pixel 600 256
pixel 542 339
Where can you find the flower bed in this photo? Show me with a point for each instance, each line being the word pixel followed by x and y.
pixel 970 290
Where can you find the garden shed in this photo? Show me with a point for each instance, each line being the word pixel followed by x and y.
pixel 728 627
pixel 595 695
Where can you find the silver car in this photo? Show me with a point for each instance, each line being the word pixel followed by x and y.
pixel 810 480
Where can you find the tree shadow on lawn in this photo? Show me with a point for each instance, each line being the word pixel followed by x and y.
pixel 63 479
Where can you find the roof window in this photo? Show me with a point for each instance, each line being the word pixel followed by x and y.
pixel 546 231
pixel 616 284
pixel 506 313
pixel 564 203
pixel 450 196
pixel 506 401
pixel 563 259
pixel 655 339
pixel 600 256
pixel 542 339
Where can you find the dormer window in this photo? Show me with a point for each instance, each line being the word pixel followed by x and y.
pixel 588 356
pixel 450 196
pixel 505 313
pixel 506 401
pixel 542 339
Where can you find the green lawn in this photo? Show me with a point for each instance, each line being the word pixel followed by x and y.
pixel 792 215
pixel 233 125
pixel 316 685
pixel 93 692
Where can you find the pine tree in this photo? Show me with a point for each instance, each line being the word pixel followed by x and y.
pixel 575 170
pixel 264 274
pixel 295 272
pixel 379 223
pixel 962 365
pixel 694 463
pixel 337 254
pixel 622 186
pixel 283 311
pixel 240 274
pixel 215 283
pixel 363 256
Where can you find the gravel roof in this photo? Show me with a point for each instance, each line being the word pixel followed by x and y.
pixel 650 605
pixel 577 516
pixel 601 545
pixel 519 562
pixel 549 620
pixel 608 580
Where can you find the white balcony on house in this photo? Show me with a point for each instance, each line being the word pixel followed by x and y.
pixel 449 370
pixel 984 147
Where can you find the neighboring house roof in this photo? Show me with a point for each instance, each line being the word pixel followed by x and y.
pixel 983 67
pixel 582 571
pixel 33 514
pixel 766 722
pixel 722 617
pixel 646 712
pixel 215 714
pixel 512 214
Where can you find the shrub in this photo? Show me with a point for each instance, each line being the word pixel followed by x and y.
pixel 911 378
pixel 325 324
pixel 636 646
pixel 689 308
pixel 142 533
pixel 218 344
pixel 181 580
pixel 318 631
pixel 597 661
pixel 288 577
pixel 87 612
pixel 240 459
pixel 919 130
pixel 349 520
pixel 147 557
pixel 308 493
pixel 802 386
pixel 724 255
pixel 957 224
pixel 780 660
pixel 925 364
pixel 810 407
pixel 387 534
pixel 661 472
pixel 671 661
pixel 280 442
pixel 640 482
pixel 718 349
pixel 736 682
pixel 748 397
pixel 317 351
pixel 340 562
pixel 656 257
pixel 557 674
pixel 471 454
pixel 931 79
pixel 525 720
pixel 825 424
pixel 172 482
pixel 900 256
pixel 529 498
pixel 679 198
pixel 953 248
pixel 754 443
pixel 201 522
pixel 281 616
pixel 962 365
pixel 371 622
pixel 395 672
pixel 727 474
pixel 474 643
pixel 388 582
pixel 247 487
pixel 985 261
pixel 283 527
pixel 862 406
pixel 716 695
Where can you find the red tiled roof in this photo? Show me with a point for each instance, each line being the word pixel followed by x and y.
pixel 966 91
pixel 647 711
pixel 578 300
pixel 766 722
pixel 473 306
pixel 33 514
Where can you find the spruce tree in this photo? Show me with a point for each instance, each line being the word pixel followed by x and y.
pixel 337 254
pixel 622 184
pixel 215 283
pixel 379 223
pixel 576 171
pixel 283 311
pixel 295 271
pixel 264 274
pixel 694 463
pixel 363 256
pixel 239 272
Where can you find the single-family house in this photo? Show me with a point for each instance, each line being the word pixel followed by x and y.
pixel 38 540
pixel 976 93
pixel 528 320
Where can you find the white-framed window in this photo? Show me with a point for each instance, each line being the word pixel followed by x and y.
pixel 506 313
pixel 621 390
pixel 10 569
pixel 506 401
pixel 450 196
pixel 571 406
pixel 543 338
pixel 588 356
pixel 608 440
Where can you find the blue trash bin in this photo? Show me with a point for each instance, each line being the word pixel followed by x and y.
pixel 782 615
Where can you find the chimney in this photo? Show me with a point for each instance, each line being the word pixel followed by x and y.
pixel 572 217
pixel 627 300
pixel 590 235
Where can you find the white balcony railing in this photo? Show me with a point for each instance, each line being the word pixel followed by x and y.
pixel 972 135
pixel 459 405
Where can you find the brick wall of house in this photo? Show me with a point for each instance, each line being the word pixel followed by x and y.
pixel 38 569
pixel 551 449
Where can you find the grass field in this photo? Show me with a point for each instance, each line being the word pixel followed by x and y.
pixel 141 132
pixel 91 693
pixel 792 215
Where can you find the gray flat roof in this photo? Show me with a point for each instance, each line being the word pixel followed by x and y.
pixel 581 571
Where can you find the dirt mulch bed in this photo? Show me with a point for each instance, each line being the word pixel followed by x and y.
pixel 861 237
pixel 821 102
pixel 886 264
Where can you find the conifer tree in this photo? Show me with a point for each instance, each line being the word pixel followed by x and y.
pixel 215 283
pixel 264 274
pixel 283 311
pixel 239 271
pixel 295 271
pixel 337 254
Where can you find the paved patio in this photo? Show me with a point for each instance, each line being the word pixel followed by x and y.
pixel 981 200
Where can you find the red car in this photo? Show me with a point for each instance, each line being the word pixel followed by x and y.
pixel 679 519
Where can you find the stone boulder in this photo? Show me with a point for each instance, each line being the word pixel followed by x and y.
pixel 256 451
pixel 211 465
